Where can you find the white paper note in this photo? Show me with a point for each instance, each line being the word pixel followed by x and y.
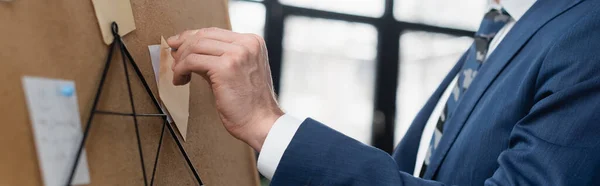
pixel 155 58
pixel 54 115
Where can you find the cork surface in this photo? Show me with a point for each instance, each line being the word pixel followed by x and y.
pixel 61 39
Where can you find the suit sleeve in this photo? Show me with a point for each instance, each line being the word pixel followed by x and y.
pixel 319 155
pixel 556 143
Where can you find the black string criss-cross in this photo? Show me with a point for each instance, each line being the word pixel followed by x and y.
pixel 126 56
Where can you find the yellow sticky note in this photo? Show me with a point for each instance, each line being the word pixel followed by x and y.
pixel 109 11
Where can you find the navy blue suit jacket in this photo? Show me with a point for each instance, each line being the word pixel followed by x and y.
pixel 531 117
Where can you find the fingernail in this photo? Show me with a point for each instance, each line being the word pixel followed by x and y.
pixel 173 38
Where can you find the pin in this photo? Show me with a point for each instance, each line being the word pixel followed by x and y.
pixel 67 90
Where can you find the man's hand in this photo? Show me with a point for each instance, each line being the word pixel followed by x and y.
pixel 236 67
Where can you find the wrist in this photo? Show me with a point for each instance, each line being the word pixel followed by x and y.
pixel 261 128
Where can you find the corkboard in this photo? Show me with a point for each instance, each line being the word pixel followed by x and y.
pixel 61 39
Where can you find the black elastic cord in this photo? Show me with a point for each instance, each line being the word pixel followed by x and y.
pixel 162 133
pixel 126 56
pixel 169 125
pixel 91 117
pixel 128 114
pixel 137 129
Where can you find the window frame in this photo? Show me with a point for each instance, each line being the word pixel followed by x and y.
pixel 387 58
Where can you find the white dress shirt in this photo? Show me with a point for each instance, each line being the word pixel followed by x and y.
pixel 285 127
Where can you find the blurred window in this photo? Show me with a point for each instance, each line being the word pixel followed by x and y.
pixel 370 8
pixel 328 73
pixel 247 17
pixel 425 59
pixel 463 14
pixel 329 66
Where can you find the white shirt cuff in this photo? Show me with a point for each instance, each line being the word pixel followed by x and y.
pixel 278 139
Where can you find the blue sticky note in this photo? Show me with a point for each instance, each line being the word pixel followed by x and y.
pixel 67 90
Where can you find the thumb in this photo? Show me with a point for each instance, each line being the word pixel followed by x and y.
pixel 177 40
pixel 174 41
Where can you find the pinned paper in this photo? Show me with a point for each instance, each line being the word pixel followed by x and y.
pixel 54 115
pixel 175 98
pixel 119 11
pixel 155 59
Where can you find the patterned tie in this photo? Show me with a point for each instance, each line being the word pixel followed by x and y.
pixel 492 22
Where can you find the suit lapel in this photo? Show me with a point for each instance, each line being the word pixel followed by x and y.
pixel 537 16
pixel 405 153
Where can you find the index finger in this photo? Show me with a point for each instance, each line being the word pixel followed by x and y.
pixel 194 63
pixel 220 34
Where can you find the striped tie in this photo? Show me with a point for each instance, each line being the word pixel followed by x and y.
pixel 492 22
